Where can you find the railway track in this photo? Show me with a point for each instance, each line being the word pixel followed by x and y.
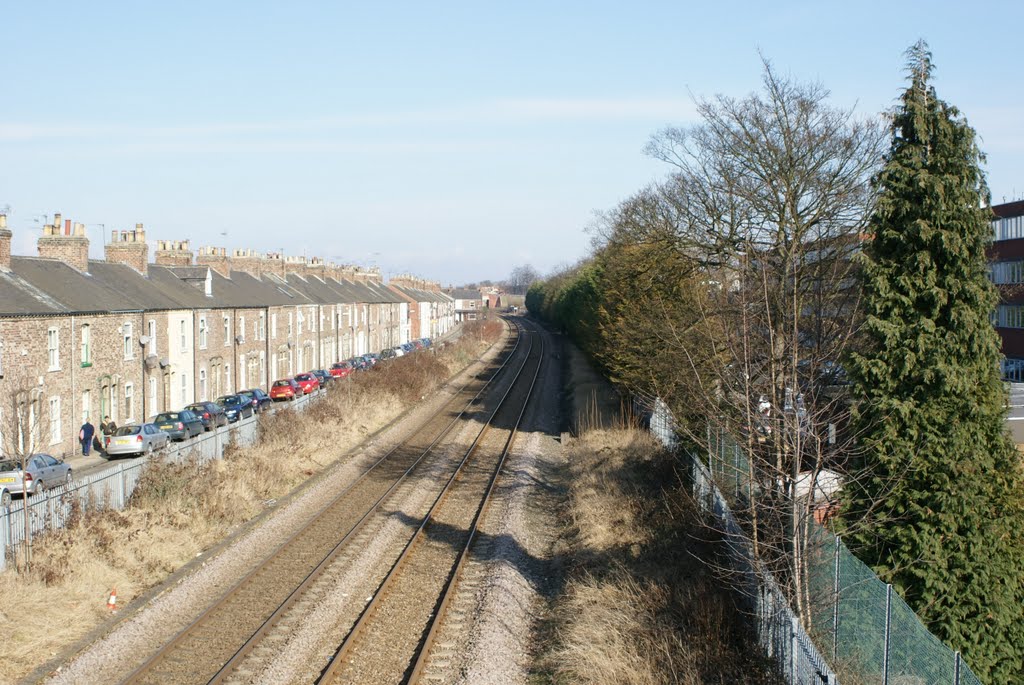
pixel 394 639
pixel 248 619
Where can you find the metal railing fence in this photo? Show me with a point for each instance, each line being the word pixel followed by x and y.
pixel 112 487
pixel 857 620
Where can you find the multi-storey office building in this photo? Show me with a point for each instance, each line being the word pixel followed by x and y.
pixel 1006 258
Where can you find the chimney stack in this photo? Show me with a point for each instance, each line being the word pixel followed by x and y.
pixel 247 261
pixel 5 244
pixel 216 258
pixel 129 248
pixel 172 253
pixel 273 263
pixel 72 247
pixel 316 268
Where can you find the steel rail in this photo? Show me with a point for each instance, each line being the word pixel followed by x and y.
pixel 149 665
pixel 330 672
pixel 449 588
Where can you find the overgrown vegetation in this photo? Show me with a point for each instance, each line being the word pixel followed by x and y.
pixel 731 291
pixel 640 606
pixel 179 510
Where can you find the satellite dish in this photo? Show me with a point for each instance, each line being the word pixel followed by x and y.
pixel 144 339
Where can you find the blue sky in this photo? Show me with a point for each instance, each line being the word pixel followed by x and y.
pixel 454 140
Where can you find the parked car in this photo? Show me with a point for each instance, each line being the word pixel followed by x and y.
pixel 342 369
pixel 179 425
pixel 260 400
pixel 285 389
pixel 236 407
pixel 408 347
pixel 418 344
pixel 135 439
pixel 308 382
pixel 426 342
pixel 387 354
pixel 41 472
pixel 322 376
pixel 212 415
pixel 371 359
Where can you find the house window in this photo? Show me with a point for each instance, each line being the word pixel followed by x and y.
pixel 312 320
pixel 86 404
pixel 227 331
pixel 129 402
pixel 152 336
pixel 202 385
pixel 86 345
pixel 261 331
pixel 181 334
pixel 242 378
pixel 241 329
pixel 152 397
pixel 52 349
pixel 54 420
pixel 126 337
pixel 289 324
pixel 298 322
pixel 273 325
pixel 184 390
pixel 227 377
pixel 202 332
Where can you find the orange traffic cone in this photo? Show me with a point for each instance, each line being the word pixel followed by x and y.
pixel 112 600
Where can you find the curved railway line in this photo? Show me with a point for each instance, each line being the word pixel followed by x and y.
pixel 241 635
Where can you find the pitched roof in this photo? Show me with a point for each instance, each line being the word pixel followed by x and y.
pixel 74 290
pixel 465 294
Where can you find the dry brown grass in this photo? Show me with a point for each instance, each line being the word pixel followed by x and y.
pixel 642 603
pixel 171 521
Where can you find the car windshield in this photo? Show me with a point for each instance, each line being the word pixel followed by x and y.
pixel 303 377
pixel 281 384
pixel 230 399
pixel 9 465
pixel 127 430
pixel 170 416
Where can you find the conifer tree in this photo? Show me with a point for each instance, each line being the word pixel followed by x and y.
pixel 937 510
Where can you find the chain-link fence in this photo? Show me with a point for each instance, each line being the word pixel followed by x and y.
pixel 866 630
pixel 112 487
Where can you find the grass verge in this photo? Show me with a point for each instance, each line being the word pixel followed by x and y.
pixel 642 601
pixel 179 510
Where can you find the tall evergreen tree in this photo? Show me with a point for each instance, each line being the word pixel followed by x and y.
pixel 937 511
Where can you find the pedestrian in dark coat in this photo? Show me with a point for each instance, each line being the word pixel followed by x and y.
pixel 85 436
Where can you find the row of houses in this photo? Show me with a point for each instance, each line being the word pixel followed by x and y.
pixel 128 338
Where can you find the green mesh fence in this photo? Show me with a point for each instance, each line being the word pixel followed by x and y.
pixel 869 632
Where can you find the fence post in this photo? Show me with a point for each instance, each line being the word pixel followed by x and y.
pixel 736 468
pixel 794 647
pixel 120 479
pixel 7 538
pixel 956 668
pixel 888 630
pixel 835 604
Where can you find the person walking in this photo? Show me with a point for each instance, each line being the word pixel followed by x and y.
pixel 85 436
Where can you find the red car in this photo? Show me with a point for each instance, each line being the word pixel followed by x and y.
pixel 341 369
pixel 286 389
pixel 308 382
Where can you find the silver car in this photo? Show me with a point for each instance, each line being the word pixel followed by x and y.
pixel 135 439
pixel 42 471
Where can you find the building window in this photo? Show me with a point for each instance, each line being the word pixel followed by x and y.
pixel 129 402
pixel 227 331
pixel 289 324
pixel 202 332
pixel 312 320
pixel 86 345
pixel 227 377
pixel 152 397
pixel 261 331
pixel 126 337
pixel 202 385
pixel 1007 273
pixel 182 335
pixel 1009 316
pixel 53 349
pixel 298 322
pixel 243 379
pixel 1009 228
pixel 273 325
pixel 152 336
pixel 184 390
pixel 86 404
pixel 241 329
pixel 54 420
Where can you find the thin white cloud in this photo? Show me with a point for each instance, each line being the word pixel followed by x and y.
pixel 494 112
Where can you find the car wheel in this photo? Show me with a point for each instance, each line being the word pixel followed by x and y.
pixel 39 487
pixel 5 500
pixel 149 450
pixel 68 480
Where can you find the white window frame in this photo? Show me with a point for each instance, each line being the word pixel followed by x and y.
pixel 202 332
pixel 241 329
pixel 126 337
pixel 53 348
pixel 129 402
pixel 202 384
pixel 227 331
pixel 86 344
pixel 290 324
pixel 152 336
pixel 273 326
pixel 184 389
pixel 298 322
pixel 152 396
pixel 183 335
pixel 55 422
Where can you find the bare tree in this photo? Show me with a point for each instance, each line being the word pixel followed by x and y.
pixel 521 278
pixel 24 431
